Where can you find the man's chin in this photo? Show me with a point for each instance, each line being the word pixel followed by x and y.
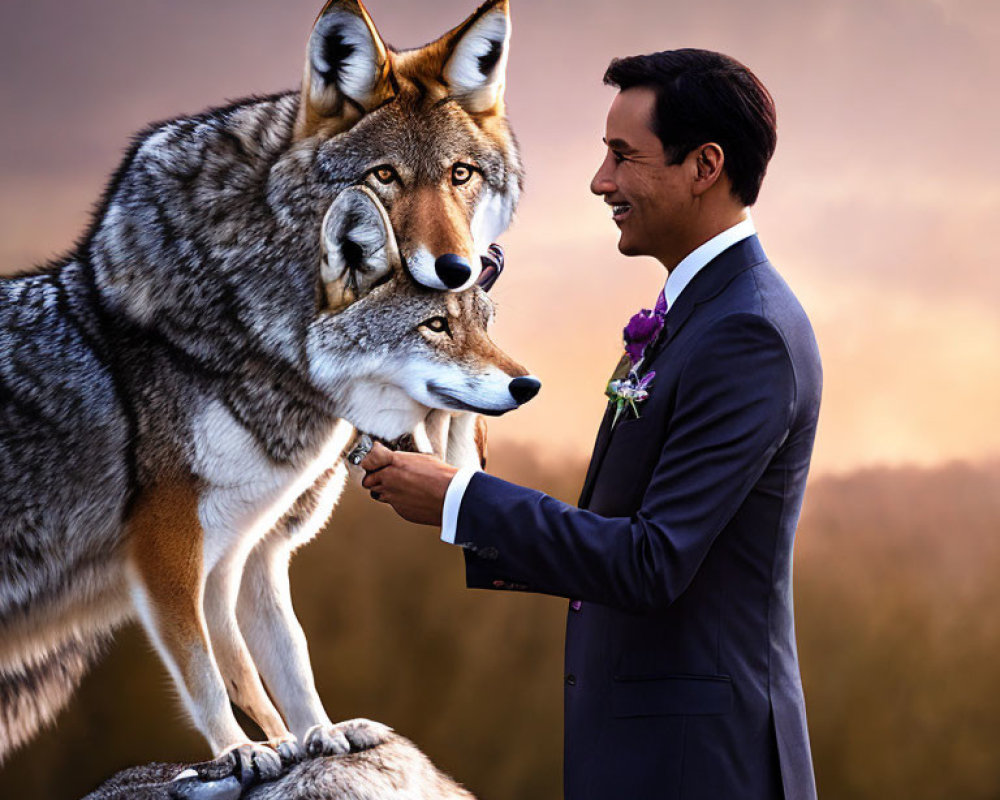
pixel 627 248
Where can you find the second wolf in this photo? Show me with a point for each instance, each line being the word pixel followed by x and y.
pixel 176 395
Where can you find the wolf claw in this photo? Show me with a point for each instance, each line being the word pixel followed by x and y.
pixel 255 763
pixel 289 750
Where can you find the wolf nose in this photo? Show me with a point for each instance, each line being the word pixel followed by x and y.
pixel 524 388
pixel 453 270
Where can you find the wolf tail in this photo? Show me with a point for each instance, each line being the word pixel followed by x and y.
pixel 32 693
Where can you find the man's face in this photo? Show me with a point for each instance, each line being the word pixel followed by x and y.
pixel 651 201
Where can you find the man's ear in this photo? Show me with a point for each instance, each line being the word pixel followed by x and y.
pixel 709 160
pixel 475 60
pixel 347 71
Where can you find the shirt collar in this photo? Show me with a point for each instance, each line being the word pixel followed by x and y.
pixel 693 262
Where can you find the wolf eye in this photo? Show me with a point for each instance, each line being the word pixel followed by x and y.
pixel 461 173
pixel 385 174
pixel 437 324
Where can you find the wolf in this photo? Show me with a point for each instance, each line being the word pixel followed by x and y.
pixel 177 393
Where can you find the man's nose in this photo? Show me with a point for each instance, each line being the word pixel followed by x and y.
pixel 601 182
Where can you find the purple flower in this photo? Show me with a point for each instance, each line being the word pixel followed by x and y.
pixel 645 380
pixel 641 330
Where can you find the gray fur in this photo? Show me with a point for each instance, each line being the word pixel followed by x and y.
pixel 35 690
pixel 198 283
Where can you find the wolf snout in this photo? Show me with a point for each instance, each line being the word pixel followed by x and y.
pixel 524 388
pixel 452 269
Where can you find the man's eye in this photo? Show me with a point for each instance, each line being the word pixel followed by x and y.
pixel 618 157
pixel 461 173
pixel 437 325
pixel 385 174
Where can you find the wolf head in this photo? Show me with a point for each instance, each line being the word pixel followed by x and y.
pixel 404 349
pixel 424 129
pixel 208 234
pixel 389 349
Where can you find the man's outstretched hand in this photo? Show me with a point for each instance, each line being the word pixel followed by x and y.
pixel 412 483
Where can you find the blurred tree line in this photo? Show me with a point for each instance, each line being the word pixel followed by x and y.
pixel 899 639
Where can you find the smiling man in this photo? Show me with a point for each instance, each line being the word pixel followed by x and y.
pixel 682 678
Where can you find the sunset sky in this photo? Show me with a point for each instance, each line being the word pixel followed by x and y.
pixel 880 206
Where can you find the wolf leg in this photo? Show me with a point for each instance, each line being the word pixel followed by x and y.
pixel 235 663
pixel 435 426
pixel 466 441
pixel 167 577
pixel 271 628
pixel 278 643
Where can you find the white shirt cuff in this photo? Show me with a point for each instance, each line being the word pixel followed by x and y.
pixel 453 502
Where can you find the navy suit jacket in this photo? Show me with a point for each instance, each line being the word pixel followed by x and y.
pixel 682 678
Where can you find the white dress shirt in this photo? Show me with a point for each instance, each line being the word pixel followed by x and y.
pixel 679 277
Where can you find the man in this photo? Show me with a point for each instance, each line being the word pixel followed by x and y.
pixel 682 678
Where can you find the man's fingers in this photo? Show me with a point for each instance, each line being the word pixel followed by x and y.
pixel 379 457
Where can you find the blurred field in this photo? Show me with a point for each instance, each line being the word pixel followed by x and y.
pixel 898 629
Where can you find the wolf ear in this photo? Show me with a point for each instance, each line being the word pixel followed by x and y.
pixel 347 70
pixel 359 247
pixel 475 65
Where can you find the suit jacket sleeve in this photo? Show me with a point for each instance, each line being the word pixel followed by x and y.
pixel 734 408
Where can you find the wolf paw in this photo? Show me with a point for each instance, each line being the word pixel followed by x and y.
pixel 364 734
pixel 254 762
pixel 237 769
pixel 288 749
pixel 325 740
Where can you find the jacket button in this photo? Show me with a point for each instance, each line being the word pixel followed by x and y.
pixel 571 680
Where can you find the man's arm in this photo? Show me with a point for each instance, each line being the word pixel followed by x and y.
pixel 734 407
pixel 733 410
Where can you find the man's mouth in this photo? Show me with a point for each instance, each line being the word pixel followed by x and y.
pixel 619 211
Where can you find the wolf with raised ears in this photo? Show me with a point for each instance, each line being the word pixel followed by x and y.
pixel 451 186
pixel 177 394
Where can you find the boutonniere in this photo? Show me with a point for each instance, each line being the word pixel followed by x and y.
pixel 640 333
pixel 629 393
pixel 626 389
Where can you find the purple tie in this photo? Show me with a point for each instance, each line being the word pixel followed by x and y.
pixel 661 303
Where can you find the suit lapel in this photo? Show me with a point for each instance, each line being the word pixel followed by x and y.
pixel 712 279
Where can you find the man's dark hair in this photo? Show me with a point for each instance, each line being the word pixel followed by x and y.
pixel 703 97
